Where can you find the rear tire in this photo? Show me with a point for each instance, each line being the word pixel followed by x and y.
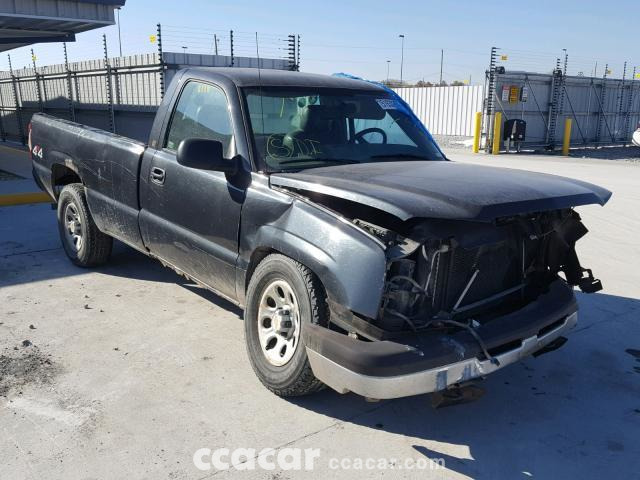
pixel 302 298
pixel 84 244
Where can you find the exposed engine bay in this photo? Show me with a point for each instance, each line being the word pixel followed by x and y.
pixel 457 274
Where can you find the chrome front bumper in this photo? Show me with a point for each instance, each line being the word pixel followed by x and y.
pixel 344 380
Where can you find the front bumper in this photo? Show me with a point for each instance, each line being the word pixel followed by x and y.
pixel 431 362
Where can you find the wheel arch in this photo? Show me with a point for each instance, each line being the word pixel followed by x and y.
pixel 350 265
pixel 259 254
pixel 63 174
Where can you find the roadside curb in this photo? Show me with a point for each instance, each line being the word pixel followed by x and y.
pixel 12 199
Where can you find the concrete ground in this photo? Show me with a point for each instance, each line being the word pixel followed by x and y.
pixel 125 371
pixel 14 159
pixel 17 186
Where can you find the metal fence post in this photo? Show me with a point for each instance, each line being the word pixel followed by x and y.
pixel 18 102
pixel 627 115
pixel 161 58
pixel 601 100
pixel 76 84
pixel 231 46
pixel 3 135
pixel 491 92
pixel 37 77
pixel 72 111
pixel 291 52
pixel 554 105
pixel 562 87
pixel 116 81
pixel 112 120
pixel 619 117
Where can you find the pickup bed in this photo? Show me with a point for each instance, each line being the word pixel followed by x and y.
pixel 364 259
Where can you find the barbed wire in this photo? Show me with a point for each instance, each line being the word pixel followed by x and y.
pixel 188 39
pixel 210 41
pixel 576 65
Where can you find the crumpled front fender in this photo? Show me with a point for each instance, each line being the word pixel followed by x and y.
pixel 350 263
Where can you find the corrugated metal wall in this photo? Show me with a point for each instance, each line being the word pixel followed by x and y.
pixel 603 110
pixel 445 110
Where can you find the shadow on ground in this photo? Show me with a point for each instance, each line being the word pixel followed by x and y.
pixel 128 263
pixel 124 262
pixel 608 153
pixel 573 413
pixel 630 153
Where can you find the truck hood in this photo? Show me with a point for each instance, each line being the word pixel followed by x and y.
pixel 444 189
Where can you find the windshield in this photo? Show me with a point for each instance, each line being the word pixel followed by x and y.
pixel 296 128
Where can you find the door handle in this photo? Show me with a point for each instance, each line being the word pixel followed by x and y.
pixel 157 175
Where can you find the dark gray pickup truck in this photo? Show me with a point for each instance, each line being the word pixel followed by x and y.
pixel 364 259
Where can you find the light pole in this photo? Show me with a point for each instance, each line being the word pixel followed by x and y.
pixel 119 36
pixel 388 63
pixel 401 57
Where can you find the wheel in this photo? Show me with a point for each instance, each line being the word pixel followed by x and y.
pixel 283 296
pixel 83 243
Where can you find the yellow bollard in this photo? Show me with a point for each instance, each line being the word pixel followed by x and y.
pixel 497 133
pixel 567 137
pixel 476 132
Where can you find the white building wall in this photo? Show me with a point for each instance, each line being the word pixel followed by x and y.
pixel 445 110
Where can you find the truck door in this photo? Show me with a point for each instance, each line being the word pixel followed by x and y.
pixel 190 217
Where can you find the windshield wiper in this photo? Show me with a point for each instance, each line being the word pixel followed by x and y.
pixel 304 160
pixel 400 155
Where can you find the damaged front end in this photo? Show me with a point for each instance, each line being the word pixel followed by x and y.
pixel 447 272
pixel 461 299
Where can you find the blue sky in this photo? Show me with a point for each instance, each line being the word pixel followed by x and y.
pixel 360 36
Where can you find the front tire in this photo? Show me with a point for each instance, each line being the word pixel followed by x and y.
pixel 84 244
pixel 283 296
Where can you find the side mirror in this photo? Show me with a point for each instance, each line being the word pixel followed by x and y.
pixel 204 154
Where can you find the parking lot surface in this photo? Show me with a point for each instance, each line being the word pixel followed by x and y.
pixel 127 370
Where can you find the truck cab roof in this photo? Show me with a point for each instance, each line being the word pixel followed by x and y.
pixel 252 77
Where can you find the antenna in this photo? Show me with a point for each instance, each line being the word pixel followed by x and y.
pixel 258 56
pixel 260 88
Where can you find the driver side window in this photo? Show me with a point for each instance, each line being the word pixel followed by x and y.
pixel 201 112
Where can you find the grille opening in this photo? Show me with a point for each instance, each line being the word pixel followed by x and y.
pixel 549 328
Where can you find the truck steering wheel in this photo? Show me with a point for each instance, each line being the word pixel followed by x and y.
pixel 359 137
